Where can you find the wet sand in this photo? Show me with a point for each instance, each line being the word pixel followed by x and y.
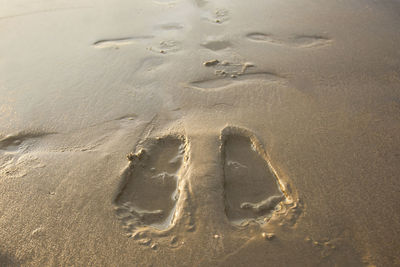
pixel 199 133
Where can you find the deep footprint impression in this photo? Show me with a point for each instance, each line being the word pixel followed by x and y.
pixel 148 192
pixel 252 189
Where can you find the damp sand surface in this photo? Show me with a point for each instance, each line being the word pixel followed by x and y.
pixel 199 133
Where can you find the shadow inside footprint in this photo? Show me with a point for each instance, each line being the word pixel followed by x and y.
pixel 252 190
pixel 148 192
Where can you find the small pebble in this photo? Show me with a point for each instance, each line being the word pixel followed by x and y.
pixel 268 236
pixel 211 63
pixel 130 156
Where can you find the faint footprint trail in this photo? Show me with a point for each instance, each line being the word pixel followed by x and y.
pixel 148 191
pixel 252 189
pixel 299 41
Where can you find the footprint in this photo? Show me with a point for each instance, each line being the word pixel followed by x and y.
pixel 148 192
pixel 299 41
pixel 164 47
pixel 14 166
pixel 21 141
pixel 225 82
pixel 118 42
pixel 252 189
pixel 217 45
pixel 262 37
pixel 306 41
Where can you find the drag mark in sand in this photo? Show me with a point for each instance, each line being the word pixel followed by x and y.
pixel 298 41
pixel 148 193
pixel 252 188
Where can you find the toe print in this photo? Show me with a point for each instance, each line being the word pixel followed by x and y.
pixel 252 189
pixel 148 192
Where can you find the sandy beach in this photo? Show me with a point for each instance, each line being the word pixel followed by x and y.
pixel 199 133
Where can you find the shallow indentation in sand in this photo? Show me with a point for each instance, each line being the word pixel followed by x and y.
pixel 117 42
pixel 171 26
pixel 16 157
pixel 19 141
pixel 261 37
pixel 252 189
pixel 217 45
pixel 17 166
pixel 310 41
pixel 225 82
pixel 167 46
pixel 148 192
pixel 301 41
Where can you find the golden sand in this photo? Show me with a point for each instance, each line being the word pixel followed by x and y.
pixel 199 133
